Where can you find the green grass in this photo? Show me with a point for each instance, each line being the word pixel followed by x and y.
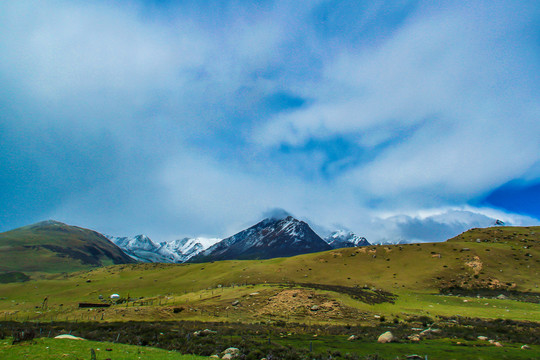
pixel 414 272
pixel 435 349
pixel 45 348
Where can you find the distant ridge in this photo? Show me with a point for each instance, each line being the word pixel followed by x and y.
pixel 142 248
pixel 342 239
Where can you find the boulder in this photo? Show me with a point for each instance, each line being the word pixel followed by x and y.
pixel 497 344
pixel 502 297
pixel 204 332
pixel 352 337
pixel 230 353
pixel 314 308
pixel 414 337
pixel 235 303
pixel 482 338
pixel 68 336
pixel 387 337
pixel 525 347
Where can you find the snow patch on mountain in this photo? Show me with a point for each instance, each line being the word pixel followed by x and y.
pixel 343 238
pixel 142 248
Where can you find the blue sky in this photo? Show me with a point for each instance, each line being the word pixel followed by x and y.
pixel 395 119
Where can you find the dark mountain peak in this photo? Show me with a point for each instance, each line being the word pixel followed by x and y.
pixel 267 239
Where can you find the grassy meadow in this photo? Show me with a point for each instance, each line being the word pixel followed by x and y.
pixel 486 274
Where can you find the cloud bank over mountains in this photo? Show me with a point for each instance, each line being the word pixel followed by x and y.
pixel 392 119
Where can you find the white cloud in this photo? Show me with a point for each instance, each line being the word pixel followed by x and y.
pixel 450 92
pixel 445 103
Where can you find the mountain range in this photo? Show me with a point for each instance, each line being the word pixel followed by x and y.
pixel 272 237
pixel 52 246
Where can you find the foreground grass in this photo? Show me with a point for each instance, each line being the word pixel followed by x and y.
pixel 338 346
pixel 45 348
pixel 322 347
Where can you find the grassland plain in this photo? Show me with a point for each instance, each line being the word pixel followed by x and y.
pixel 504 261
pixel 484 273
pixel 53 349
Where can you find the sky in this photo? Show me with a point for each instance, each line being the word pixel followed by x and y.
pixel 398 120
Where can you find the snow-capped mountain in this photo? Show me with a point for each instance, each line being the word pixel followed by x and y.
pixel 182 250
pixel 341 238
pixel 269 238
pixel 139 247
pixel 142 248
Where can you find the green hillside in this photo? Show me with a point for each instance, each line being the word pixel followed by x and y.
pixel 487 273
pixel 54 247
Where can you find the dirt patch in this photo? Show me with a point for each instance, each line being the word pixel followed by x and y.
pixel 301 303
pixel 475 264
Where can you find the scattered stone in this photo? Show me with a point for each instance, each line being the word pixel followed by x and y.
pixel 465 249
pixel 414 356
pixel 502 297
pixel 254 294
pixel 235 303
pixel 214 356
pixel 314 308
pixel 230 353
pixel 352 337
pixel 429 331
pixel 483 338
pixel 204 332
pixel 414 337
pixel 525 347
pixel 68 336
pixel 497 344
pixel 387 337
